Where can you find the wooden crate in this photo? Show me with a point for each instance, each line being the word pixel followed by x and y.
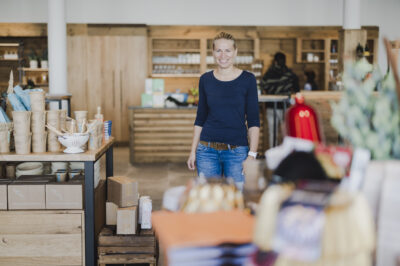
pixel 165 135
pixel 42 238
pixel 127 249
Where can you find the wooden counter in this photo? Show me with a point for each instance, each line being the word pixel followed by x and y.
pixel 320 101
pixel 164 134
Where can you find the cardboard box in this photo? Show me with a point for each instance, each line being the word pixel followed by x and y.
pixel 26 195
pixel 127 220
pixel 3 193
pixel 158 100
pixel 122 191
pixel 158 86
pixel 147 100
pixel 111 213
pixel 64 196
pixel 148 88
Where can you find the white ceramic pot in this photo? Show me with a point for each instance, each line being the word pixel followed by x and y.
pixel 33 64
pixel 44 64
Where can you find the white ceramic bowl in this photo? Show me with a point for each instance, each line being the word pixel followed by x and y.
pixel 29 168
pixel 73 142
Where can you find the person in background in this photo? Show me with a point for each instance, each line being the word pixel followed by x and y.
pixel 310 81
pixel 227 100
pixel 281 80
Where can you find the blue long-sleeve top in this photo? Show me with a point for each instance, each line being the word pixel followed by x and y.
pixel 225 106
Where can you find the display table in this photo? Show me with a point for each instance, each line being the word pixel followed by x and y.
pixel 89 158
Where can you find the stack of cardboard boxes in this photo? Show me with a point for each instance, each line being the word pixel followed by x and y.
pixel 122 204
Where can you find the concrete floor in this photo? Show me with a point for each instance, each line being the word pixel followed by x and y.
pixel 153 178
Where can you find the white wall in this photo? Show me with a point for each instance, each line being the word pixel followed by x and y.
pixel 382 13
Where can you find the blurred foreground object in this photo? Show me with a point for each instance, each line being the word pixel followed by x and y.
pixel 212 195
pixel 368 119
pixel 346 236
pixel 218 238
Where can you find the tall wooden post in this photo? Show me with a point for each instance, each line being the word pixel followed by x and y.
pixel 348 41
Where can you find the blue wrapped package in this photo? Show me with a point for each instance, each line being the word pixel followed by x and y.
pixel 3 116
pixel 23 96
pixel 15 102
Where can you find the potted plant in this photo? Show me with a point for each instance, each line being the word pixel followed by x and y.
pixel 33 59
pixel 43 62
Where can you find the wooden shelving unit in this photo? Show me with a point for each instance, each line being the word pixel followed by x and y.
pixel 327 51
pixel 174 57
pixel 15 49
pixel 38 75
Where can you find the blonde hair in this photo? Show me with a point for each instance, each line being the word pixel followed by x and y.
pixel 226 36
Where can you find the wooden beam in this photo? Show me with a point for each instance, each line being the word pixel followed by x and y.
pixel 23 29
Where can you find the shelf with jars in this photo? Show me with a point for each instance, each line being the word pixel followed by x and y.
pixel 310 50
pixel 170 57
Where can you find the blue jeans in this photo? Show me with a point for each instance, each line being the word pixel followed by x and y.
pixel 214 163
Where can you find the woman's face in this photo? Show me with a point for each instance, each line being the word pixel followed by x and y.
pixel 224 53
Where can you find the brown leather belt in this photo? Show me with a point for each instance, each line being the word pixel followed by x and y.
pixel 218 146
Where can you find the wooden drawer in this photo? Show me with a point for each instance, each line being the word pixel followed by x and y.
pixel 42 238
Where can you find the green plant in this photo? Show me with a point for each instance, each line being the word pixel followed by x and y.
pixel 367 118
pixel 33 55
pixel 44 54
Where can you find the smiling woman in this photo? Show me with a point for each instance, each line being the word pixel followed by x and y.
pixel 227 100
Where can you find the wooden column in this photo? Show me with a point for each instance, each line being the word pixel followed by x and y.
pixel 348 41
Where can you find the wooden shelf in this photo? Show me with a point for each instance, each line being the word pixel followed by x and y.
pixel 176 64
pixel 15 60
pixel 318 62
pixel 176 50
pixel 239 51
pixel 175 75
pixel 9 44
pixel 313 51
pixel 57 156
pixel 27 69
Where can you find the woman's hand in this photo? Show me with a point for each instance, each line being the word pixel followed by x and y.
pixel 191 161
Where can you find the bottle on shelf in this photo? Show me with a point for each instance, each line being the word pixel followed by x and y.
pixel 366 50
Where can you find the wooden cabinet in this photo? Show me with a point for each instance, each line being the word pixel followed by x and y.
pixel 108 70
pixel 42 238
